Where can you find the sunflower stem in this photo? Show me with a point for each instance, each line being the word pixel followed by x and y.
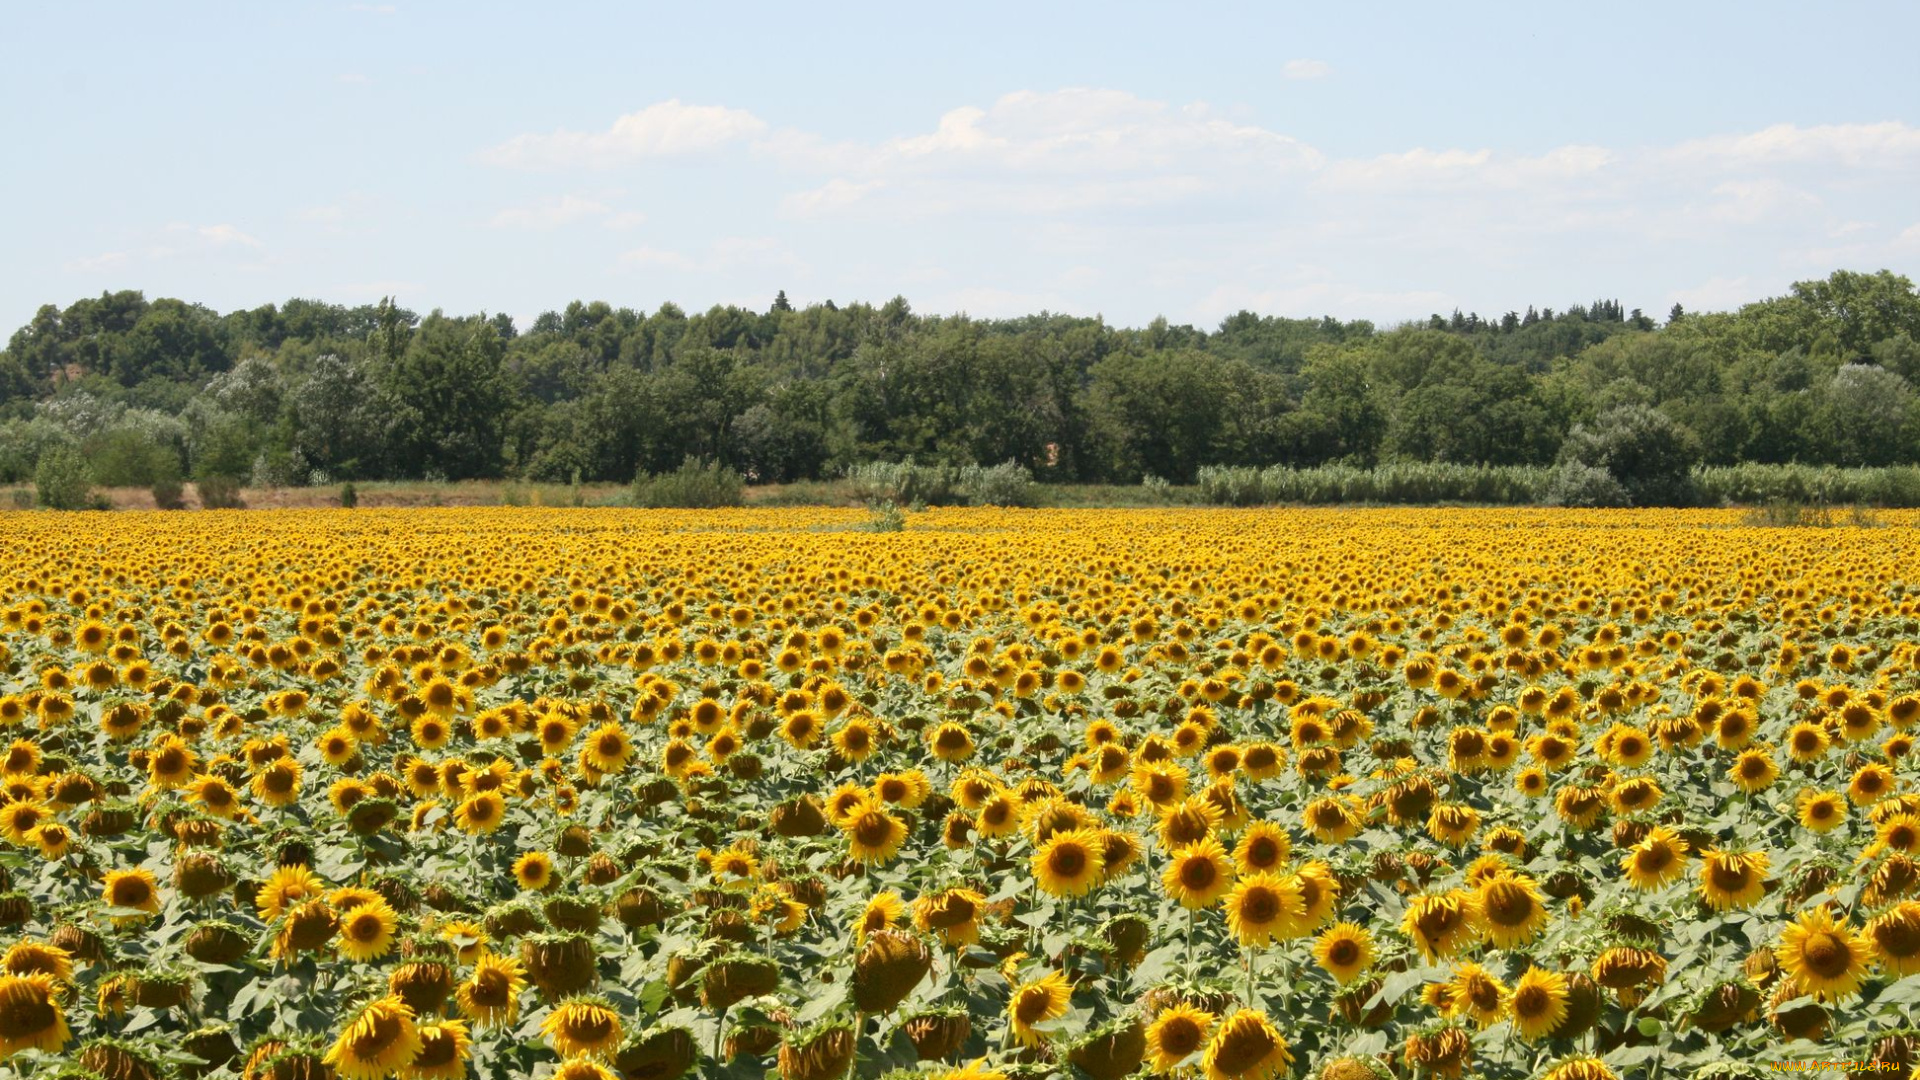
pixel 719 1031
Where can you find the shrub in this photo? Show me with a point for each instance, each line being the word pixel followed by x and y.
pixel 693 486
pixel 905 483
pixel 220 493
pixel 1575 484
pixel 886 517
pixel 349 496
pixel 63 480
pixel 1647 451
pixel 169 493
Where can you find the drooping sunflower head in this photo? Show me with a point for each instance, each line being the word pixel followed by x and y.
pixel 1246 1046
pixel 380 1040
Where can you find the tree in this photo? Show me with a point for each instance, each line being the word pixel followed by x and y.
pixel 780 302
pixel 446 399
pixel 1646 451
pixel 63 480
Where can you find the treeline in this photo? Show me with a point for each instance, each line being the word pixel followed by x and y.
pixel 309 392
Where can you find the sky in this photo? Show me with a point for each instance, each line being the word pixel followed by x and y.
pixel 1363 160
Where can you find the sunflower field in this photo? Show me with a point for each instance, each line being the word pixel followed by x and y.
pixel 646 794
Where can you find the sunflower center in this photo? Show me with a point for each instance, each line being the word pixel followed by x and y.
pixel 436 1048
pixel 590 1026
pixel 1653 859
pixel 1032 1007
pixel 375 1037
pixel 1826 955
pixel 1241 1048
pixel 1729 875
pixel 1531 1001
pixel 1343 952
pixel 1067 860
pixel 1179 1036
pixel 872 830
pixel 1509 905
pixel 1263 852
pixel 1260 906
pixel 1199 873
pixel 489 988
pixel 25 1013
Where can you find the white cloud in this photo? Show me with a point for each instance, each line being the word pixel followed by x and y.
pixel 106 260
pixel 626 219
pixel 729 254
pixel 665 129
pixel 219 235
pixel 835 194
pixel 352 78
pixel 1338 299
pixel 550 214
pixel 177 240
pixel 1042 153
pixel 1717 294
pixel 1424 169
pixel 1749 202
pixel 1306 69
pixel 652 256
pixel 1883 145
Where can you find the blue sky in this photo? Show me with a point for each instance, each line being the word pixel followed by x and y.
pixel 1131 160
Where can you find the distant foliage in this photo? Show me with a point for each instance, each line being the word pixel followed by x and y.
pixel 307 393
pixel 219 493
pixel 63 480
pixel 693 486
pixel 1400 484
pixel 906 483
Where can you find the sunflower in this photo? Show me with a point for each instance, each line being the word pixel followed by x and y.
pixel 1538 1002
pixel 1330 820
pixel 1262 907
pixel 1823 958
pixel 1894 937
pixel 131 890
pixel 582 1027
pixel 30 1014
pixel 1035 1003
pixel 1263 846
pixel 367 930
pixel 215 796
pixel 533 871
pixel 1442 925
pixel 1754 770
pixel 1198 874
pixel 1871 783
pixel 1807 741
pixel 999 816
pixel 481 813
pixel 1069 863
pixel 444 1047
pixel 1246 1046
pixel 1821 811
pixel 491 995
pixel 954 914
pixel 278 783
pixel 873 835
pixel 379 1041
pixel 855 739
pixel 1319 895
pixel 1511 911
pixel 1580 1067
pixel 1732 880
pixel 33 957
pixel 19 820
pixel 608 748
pixel 883 912
pixel 1179 1032
pixel 1474 994
pixel 1343 950
pixel 1659 857
pixel 285 888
